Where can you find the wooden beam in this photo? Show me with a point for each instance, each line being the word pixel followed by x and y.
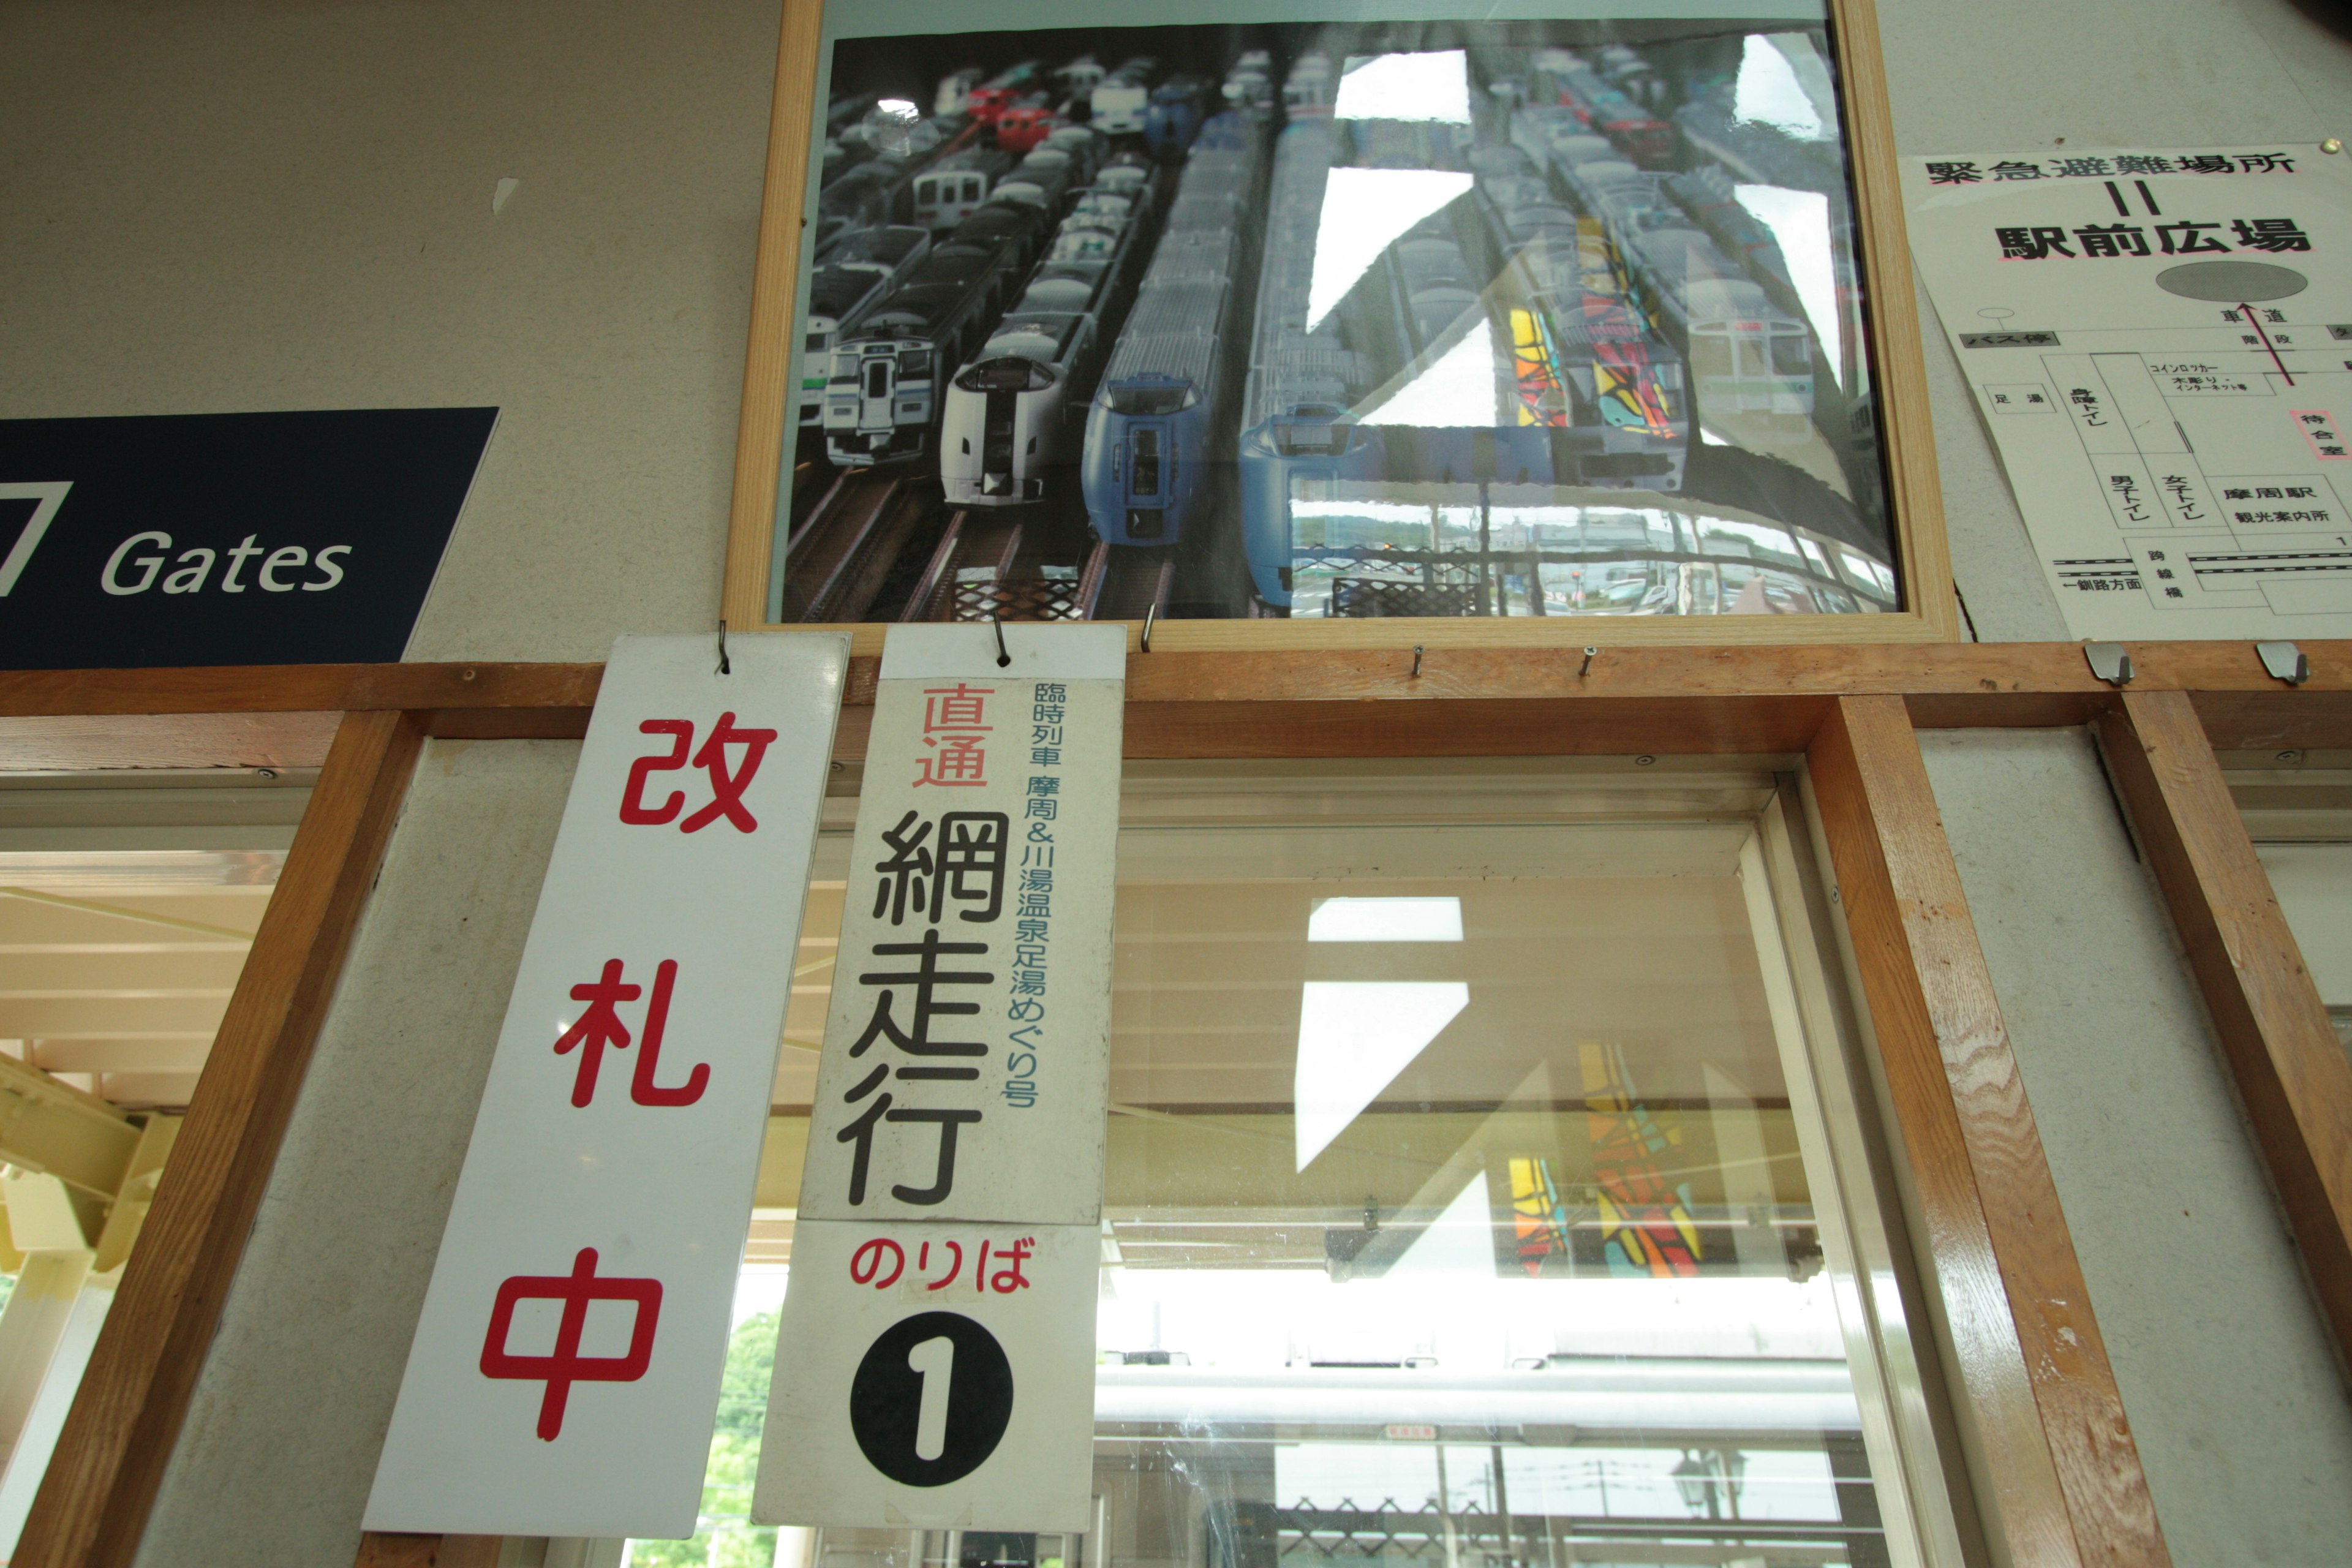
pixel 2275 1035
pixel 1906 422
pixel 297 687
pixel 2053 1447
pixel 1947 686
pixel 769 414
pixel 93 1503
pixel 1983 671
pixel 78 742
pixel 382 1549
pixel 1468 727
pixel 2274 719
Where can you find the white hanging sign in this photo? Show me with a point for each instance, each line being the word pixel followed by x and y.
pixel 937 1376
pixel 564 1378
pixel 960 1102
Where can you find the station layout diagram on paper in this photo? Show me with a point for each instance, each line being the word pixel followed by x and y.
pixel 2162 343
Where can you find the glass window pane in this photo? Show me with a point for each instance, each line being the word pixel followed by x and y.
pixel 1459 1206
pixel 1498 1246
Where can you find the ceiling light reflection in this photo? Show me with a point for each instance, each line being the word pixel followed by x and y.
pixel 1364 212
pixel 1460 389
pixel 1385 920
pixel 1432 86
pixel 1354 1037
pixel 1800 222
pixel 1768 92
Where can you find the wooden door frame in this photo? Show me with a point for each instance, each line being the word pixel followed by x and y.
pixel 2051 1445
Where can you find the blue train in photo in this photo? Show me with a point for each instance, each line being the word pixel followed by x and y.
pixel 1298 436
pixel 1172 118
pixel 1159 427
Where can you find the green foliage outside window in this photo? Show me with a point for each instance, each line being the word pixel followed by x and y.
pixel 725 1536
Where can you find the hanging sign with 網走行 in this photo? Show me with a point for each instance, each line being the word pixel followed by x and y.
pixel 564 1378
pixel 935 1361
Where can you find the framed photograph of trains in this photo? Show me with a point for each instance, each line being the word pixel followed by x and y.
pixel 1283 325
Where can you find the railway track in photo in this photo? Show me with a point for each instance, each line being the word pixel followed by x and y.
pixel 874 545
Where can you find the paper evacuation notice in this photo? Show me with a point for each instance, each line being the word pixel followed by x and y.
pixel 2161 342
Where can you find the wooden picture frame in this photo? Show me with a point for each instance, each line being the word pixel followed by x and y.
pixel 1931 611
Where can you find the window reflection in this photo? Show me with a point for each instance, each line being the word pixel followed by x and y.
pixel 1361 551
pixel 1458 1210
pixel 1354 1037
pixel 1432 86
pixel 1136 334
pixel 1363 212
pixel 1544 1288
pixel 1768 92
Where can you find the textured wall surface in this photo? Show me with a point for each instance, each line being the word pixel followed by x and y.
pixel 252 205
pixel 281 1445
pixel 2227 1377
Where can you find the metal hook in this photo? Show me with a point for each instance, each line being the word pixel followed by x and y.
pixel 2110 661
pixel 724 667
pixel 1416 661
pixel 1586 668
pixel 2284 661
pixel 1150 614
pixel 1004 657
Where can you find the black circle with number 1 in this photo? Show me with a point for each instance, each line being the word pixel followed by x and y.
pixel 887 1399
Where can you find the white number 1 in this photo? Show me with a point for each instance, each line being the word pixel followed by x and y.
pixel 934 1360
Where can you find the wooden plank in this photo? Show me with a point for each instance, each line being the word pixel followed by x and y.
pixel 222 688
pixel 1944 679
pixel 2275 1035
pixel 1906 424
pixel 505 723
pixel 1471 728
pixel 2312 718
pixel 293 688
pixel 81 742
pixel 2053 1447
pixel 769 411
pixel 93 1503
pixel 1319 635
pixel 1560 672
pixel 414 685
pixel 1955 669
pixel 381 1550
pixel 2005 710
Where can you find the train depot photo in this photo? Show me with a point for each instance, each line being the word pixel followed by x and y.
pixel 1413 319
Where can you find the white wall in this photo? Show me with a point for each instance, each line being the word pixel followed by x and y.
pixel 286 203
